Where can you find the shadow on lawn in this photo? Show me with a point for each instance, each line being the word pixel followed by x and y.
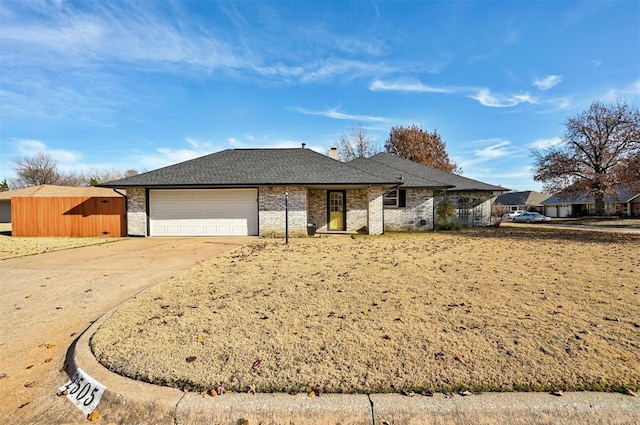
pixel 541 232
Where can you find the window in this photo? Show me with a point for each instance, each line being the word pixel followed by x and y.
pixel 391 198
pixel 395 198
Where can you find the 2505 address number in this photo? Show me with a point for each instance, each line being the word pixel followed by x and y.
pixel 83 391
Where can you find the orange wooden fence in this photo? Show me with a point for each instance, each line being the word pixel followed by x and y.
pixel 68 216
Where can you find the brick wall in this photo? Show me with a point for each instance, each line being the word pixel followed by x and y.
pixel 317 201
pixel 375 214
pixel 136 211
pixel 356 209
pixel 419 207
pixel 357 201
pixel 272 214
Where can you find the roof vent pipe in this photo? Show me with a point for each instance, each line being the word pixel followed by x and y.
pixel 303 145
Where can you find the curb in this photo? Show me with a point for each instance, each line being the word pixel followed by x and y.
pixel 133 402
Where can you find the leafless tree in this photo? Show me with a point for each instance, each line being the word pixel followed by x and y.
pixel 356 144
pixel 35 170
pixel 42 169
pixel 600 150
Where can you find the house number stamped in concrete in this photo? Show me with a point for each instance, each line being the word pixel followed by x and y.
pixel 84 391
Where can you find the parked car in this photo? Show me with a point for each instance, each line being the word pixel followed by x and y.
pixel 513 214
pixel 531 217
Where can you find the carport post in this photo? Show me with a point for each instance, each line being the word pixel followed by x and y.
pixel 286 216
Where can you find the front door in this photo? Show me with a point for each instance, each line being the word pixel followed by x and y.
pixel 337 210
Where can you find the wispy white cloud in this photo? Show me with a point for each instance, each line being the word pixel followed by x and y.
pixel 486 151
pixel 546 143
pixel 547 82
pixel 487 98
pixel 498 148
pixel 483 95
pixel 406 85
pixel 595 62
pixel 163 156
pixel 349 68
pixel 30 147
pixel 615 94
pixel 352 45
pixel 336 114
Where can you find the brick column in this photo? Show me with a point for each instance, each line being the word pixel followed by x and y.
pixel 136 211
pixel 376 211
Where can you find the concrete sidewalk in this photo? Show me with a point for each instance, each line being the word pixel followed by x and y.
pixel 132 402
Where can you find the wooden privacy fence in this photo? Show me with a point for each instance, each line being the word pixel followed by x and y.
pixel 68 216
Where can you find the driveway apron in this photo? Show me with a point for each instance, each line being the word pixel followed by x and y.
pixel 48 300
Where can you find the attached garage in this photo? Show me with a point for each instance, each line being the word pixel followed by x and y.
pixel 564 210
pixel 203 212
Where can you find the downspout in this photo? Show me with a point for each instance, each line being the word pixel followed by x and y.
pixel 126 210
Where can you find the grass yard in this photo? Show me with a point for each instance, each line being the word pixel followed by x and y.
pixel 506 309
pixel 12 247
pixel 612 223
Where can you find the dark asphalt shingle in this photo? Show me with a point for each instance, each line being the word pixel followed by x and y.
pixel 252 167
pixel 459 183
pixel 528 197
pixel 408 180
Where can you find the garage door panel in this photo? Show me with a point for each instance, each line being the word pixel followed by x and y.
pixel 206 212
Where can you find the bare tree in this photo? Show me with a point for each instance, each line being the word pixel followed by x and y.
pixel 600 150
pixel 356 144
pixel 418 145
pixel 42 169
pixel 35 170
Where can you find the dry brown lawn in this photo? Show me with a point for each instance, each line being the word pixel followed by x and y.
pixel 521 308
pixel 12 247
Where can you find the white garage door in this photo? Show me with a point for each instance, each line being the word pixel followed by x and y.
pixel 552 212
pixel 564 211
pixel 203 212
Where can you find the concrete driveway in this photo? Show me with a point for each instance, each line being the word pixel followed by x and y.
pixel 48 300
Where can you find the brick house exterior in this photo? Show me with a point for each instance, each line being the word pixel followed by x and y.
pixel 265 191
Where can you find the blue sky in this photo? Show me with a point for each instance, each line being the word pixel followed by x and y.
pixel 120 85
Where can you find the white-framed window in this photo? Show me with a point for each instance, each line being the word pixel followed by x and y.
pixel 395 198
pixel 391 198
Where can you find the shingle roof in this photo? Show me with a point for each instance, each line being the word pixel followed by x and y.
pixel 408 179
pixel 407 167
pixel 251 167
pixel 47 190
pixel 620 196
pixel 528 197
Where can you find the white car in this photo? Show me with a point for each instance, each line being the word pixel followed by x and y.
pixel 531 217
pixel 513 214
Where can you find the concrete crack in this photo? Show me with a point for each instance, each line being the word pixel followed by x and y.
pixel 175 414
pixel 373 416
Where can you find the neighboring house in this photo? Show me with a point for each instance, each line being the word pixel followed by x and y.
pixel 50 210
pixel 523 201
pixel 624 203
pixel 246 192
pixel 413 204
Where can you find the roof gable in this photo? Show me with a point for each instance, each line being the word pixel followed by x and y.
pixel 255 167
pixel 458 183
pixel 408 179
